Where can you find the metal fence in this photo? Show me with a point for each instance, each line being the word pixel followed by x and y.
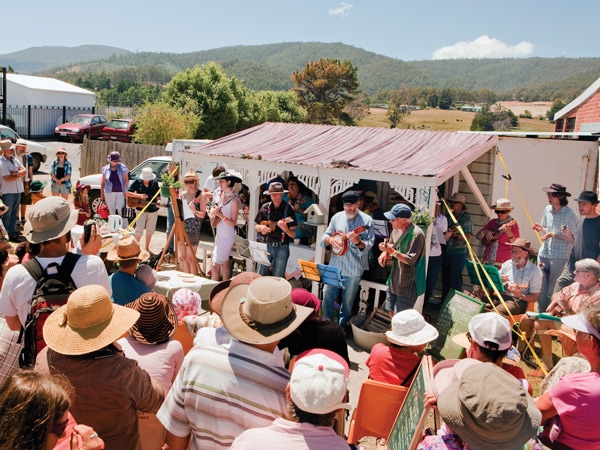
pixel 34 122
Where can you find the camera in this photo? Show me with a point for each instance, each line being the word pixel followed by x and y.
pixel 87 230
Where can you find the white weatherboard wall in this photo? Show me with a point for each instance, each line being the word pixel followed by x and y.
pixel 536 163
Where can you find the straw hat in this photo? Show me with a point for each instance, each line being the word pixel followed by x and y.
pixel 502 203
pixel 48 219
pixel 88 322
pixel 61 150
pixel 126 249
pixel 190 176
pixel 489 408
pixel 157 321
pixel 262 312
pixel 457 197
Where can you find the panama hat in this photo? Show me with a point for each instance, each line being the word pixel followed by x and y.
pixel 489 408
pixel 88 322
pixel 157 321
pixel 147 174
pixel 190 176
pixel 127 248
pixel 48 219
pixel 262 312
pixel 502 203
pixel 523 244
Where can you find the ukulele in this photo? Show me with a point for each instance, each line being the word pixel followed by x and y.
pixel 272 224
pixel 342 238
pixel 485 241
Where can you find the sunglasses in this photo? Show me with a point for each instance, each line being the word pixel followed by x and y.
pixel 190 181
pixel 59 428
pixel 502 211
pixel 469 338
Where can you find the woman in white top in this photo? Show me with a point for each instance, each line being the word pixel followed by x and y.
pixel 192 222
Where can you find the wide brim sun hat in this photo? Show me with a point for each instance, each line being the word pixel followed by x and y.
pixel 89 321
pixel 410 328
pixel 50 218
pixel 127 248
pixel 157 321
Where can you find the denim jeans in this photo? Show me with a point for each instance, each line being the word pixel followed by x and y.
pixel 170 222
pixel 278 256
pixel 9 219
pixel 433 270
pixel 553 267
pixel 397 303
pixel 330 295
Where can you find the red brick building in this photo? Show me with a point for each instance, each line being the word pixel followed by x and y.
pixel 582 114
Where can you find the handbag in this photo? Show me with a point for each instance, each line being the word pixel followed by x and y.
pixel 128 213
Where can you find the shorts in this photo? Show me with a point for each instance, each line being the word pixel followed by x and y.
pixel 60 189
pixel 26 199
pixel 146 221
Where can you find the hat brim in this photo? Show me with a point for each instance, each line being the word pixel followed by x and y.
pixel 510 208
pixel 148 179
pixel 63 339
pixel 41 184
pixel 462 340
pixel 233 322
pixel 586 200
pixel 160 332
pixel 114 256
pixel 35 237
pixel 275 192
pixel 229 177
pixel 427 334
pixel 565 193
pixel 455 414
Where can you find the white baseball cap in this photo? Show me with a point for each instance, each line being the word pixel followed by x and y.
pixel 485 329
pixel 319 381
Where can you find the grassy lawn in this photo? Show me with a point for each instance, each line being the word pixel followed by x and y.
pixel 443 120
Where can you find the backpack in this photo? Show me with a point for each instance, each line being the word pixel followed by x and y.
pixel 54 285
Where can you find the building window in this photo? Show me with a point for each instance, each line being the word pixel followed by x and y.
pixel 560 123
pixel 570 125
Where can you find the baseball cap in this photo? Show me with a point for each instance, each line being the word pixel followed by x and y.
pixel 319 381
pixel 485 329
pixel 398 211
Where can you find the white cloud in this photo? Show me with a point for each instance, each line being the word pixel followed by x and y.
pixel 342 10
pixel 484 47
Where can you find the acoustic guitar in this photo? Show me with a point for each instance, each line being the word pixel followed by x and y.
pixel 133 202
pixel 485 241
pixel 272 224
pixel 342 238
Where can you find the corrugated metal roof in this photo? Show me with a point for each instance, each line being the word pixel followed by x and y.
pixel 404 152
pixel 45 84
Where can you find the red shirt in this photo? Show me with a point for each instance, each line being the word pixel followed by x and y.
pixel 389 364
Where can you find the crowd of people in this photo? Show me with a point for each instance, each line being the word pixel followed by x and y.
pixel 114 364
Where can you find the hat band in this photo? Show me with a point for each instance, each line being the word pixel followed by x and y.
pixel 265 327
pixel 128 256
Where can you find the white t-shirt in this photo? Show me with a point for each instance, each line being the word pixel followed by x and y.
pixel 211 184
pixel 19 286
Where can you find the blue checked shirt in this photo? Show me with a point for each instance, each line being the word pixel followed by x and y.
pixel 355 261
pixel 552 222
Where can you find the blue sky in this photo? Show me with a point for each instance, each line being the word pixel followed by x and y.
pixel 405 29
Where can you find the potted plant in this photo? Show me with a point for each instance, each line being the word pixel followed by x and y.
pixel 422 218
pixel 169 180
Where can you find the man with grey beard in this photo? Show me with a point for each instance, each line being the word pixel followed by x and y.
pixel 350 235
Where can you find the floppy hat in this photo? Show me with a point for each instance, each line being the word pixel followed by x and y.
pixel 228 176
pixel 588 196
pixel 218 292
pixel 489 408
pixel 275 188
pixel 524 244
pixel 80 187
pixel 48 219
pixel 3 207
pixel 127 248
pixel 486 328
pixel 410 328
pixel 186 303
pixel 147 174
pixel 449 371
pixel 580 323
pixel 350 197
pixel 262 312
pixel 502 203
pixel 88 322
pixel 558 188
pixel 319 381
pixel 114 156
pixel 302 297
pixel 38 186
pixel 398 211
pixel 457 197
pixel 157 321
pixel 5 144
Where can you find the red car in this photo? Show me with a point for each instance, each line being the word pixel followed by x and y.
pixel 90 125
pixel 120 130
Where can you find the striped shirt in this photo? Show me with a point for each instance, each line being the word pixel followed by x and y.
pixel 355 261
pixel 220 392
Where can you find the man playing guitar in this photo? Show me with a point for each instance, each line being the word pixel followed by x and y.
pixel 351 263
pixel 497 233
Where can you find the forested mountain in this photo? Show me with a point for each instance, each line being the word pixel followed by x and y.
pixel 268 67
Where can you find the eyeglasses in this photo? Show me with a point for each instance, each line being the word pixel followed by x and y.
pixel 190 181
pixel 502 211
pixel 59 428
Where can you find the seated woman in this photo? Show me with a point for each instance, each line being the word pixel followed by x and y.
pixel 571 408
pixel 398 362
pixel 573 298
pixel 497 233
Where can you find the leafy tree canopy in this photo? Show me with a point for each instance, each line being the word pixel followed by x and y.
pixel 160 123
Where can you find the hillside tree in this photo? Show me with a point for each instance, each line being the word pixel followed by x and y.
pixel 396 109
pixel 324 88
pixel 556 106
pixel 278 106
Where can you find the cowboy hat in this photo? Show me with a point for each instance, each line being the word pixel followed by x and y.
pixel 218 292
pixel 275 188
pixel 157 321
pixel 457 197
pixel 127 248
pixel 228 176
pixel 524 244
pixel 190 176
pixel 557 188
pixel 489 408
pixel 262 312
pixel 502 203
pixel 88 322
pixel 48 219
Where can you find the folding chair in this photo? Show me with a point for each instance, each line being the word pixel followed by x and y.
pixel 242 247
pixel 376 410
